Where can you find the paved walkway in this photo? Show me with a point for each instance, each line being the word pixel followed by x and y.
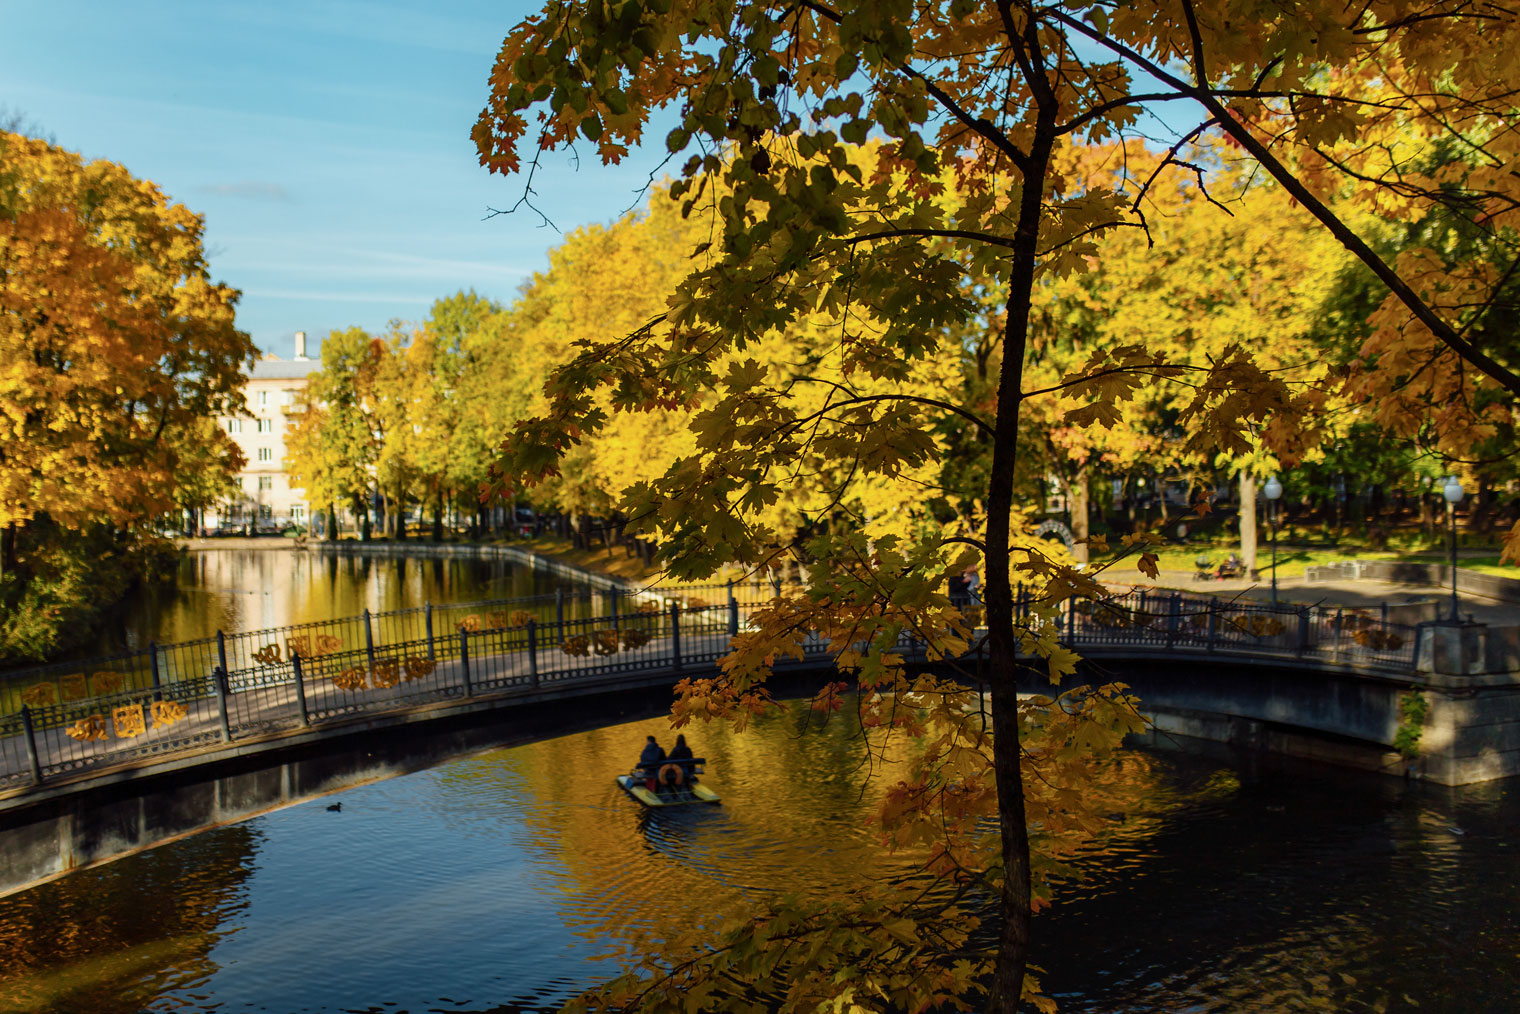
pixel 1347 594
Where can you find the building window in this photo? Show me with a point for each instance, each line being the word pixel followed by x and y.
pixel 266 482
pixel 263 399
pixel 265 454
pixel 266 512
pixel 298 513
pixel 234 425
pixel 266 425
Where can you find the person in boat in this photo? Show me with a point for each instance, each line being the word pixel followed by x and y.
pixel 677 775
pixel 649 763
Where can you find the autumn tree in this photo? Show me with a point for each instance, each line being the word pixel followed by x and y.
pixel 766 97
pixel 115 348
pixel 475 382
pixel 1236 266
pixel 333 446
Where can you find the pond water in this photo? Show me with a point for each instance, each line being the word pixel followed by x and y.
pixel 253 589
pixel 495 882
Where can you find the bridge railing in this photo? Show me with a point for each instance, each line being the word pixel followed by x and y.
pixel 1179 620
pixel 182 697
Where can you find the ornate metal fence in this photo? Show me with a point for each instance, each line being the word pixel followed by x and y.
pixel 72 717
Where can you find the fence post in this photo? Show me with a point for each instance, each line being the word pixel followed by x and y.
pixel 221 650
pixel 1071 620
pixel 1303 631
pixel 614 601
pixel 1336 651
pixel 1213 620
pixel 153 669
pixel 219 677
pixel 675 636
pixel 31 744
pixel 369 642
pixel 559 611
pixel 533 652
pixel 733 612
pixel 1143 617
pixel 776 584
pixel 464 662
pixel 295 665
pixel 427 622
pixel 1174 614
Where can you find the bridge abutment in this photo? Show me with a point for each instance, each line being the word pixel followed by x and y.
pixel 1470 732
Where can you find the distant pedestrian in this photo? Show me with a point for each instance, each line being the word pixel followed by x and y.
pixel 973 580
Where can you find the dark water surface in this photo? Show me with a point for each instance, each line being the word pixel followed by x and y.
pixel 495 882
pixel 249 589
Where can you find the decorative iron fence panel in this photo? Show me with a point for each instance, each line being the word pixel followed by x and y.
pixel 72 717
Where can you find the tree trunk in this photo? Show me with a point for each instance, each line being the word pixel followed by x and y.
pixel 438 517
pixel 332 523
pixel 1013 936
pixel 1248 521
pixel 361 515
pixel 1077 498
pixel 1480 518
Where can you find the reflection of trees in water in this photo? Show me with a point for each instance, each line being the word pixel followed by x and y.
pixel 245 589
pixel 798 804
pixel 118 937
pixel 794 817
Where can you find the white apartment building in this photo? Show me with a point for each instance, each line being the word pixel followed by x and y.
pixel 265 500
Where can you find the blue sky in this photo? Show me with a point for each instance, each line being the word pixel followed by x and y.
pixel 326 143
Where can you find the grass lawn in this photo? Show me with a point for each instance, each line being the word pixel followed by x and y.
pixel 615 562
pixel 1291 560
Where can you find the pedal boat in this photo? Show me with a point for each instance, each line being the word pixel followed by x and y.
pixel 635 784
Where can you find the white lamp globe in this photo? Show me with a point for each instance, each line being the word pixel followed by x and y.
pixel 1273 489
pixel 1453 491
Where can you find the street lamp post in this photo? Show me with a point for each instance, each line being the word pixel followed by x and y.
pixel 1453 492
pixel 1273 492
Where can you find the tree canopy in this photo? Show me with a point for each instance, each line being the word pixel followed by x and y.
pixel 977 116
pixel 116 351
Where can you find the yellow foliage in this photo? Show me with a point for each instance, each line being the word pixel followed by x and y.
pixel 105 306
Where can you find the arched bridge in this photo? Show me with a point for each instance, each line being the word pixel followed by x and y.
pixel 235 691
pixel 103 757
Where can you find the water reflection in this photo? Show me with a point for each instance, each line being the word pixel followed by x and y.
pixel 121 937
pixel 497 881
pixel 243 589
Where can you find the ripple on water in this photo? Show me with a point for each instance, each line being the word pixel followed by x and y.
pixel 495 882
